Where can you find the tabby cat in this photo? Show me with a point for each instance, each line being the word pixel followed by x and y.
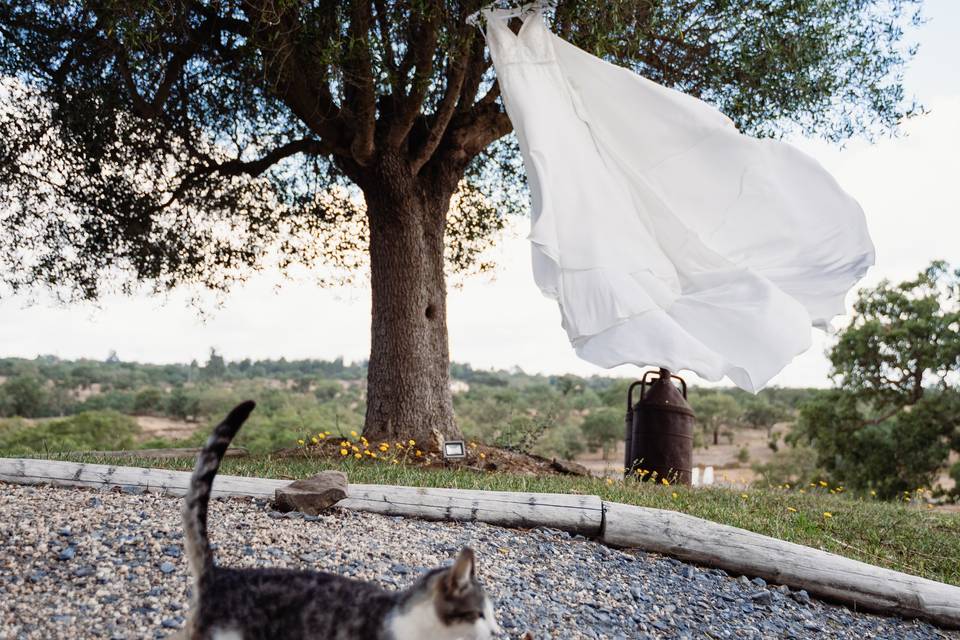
pixel 285 604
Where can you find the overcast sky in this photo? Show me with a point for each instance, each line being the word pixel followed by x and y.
pixel 909 188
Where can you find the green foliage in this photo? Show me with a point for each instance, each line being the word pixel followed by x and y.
pixel 716 410
pixel 90 430
pixel 603 428
pixel 148 401
pixel 24 396
pixel 892 422
pixel 794 466
pixel 215 367
pixel 564 441
pixel 743 455
pixel 759 413
pixel 902 338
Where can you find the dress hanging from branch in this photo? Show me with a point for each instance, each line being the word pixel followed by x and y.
pixel 666 236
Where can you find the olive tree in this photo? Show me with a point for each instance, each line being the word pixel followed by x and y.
pixel 174 142
pixel 891 422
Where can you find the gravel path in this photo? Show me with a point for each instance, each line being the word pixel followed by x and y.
pixel 88 564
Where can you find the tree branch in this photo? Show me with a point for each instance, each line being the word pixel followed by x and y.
pixel 359 90
pixel 153 108
pixel 256 167
pixel 445 110
pixel 471 133
pixel 423 43
pixel 309 100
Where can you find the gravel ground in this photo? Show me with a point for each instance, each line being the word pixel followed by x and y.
pixel 92 564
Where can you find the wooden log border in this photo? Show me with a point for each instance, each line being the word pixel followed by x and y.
pixel 825 575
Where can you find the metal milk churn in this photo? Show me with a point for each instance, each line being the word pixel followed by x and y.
pixel 659 430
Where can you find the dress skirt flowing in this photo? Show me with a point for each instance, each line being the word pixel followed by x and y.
pixel 667 237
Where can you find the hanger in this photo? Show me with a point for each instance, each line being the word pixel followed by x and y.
pixel 516 12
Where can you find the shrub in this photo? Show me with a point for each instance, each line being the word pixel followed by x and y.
pixel 791 465
pixel 87 431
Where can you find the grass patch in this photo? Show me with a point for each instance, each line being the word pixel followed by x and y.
pixel 904 537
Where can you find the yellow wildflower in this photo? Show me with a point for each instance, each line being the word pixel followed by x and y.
pixel 357 456
pixel 353 433
pixel 665 481
pixel 823 484
pixel 419 453
pixel 791 510
pixel 300 442
pixel 674 494
pixel 343 452
pixel 483 455
pixel 314 440
pixel 827 514
pixel 411 442
pixel 744 496
pixel 609 480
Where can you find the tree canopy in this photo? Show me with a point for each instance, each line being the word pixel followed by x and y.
pixel 187 141
pixel 895 416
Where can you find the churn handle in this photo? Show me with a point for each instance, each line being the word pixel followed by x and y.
pixel 630 395
pixel 683 383
pixel 643 382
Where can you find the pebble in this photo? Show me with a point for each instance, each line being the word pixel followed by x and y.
pixel 133 581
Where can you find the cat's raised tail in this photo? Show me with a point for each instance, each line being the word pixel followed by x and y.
pixel 195 503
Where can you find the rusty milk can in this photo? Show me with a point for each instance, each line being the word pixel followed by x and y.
pixel 659 429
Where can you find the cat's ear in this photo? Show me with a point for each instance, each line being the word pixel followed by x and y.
pixel 461 574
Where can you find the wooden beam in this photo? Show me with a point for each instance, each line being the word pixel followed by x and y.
pixel 78 474
pixel 573 513
pixel 826 575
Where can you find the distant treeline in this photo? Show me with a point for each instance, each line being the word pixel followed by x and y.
pixel 560 415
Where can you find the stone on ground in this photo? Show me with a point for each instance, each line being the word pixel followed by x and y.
pixel 313 495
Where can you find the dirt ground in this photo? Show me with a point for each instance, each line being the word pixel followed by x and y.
pixel 728 470
pixel 154 427
pixel 722 457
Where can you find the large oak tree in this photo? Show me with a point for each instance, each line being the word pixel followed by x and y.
pixel 194 141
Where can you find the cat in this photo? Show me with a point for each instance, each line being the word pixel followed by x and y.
pixel 285 604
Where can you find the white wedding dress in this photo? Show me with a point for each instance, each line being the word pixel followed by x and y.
pixel 667 237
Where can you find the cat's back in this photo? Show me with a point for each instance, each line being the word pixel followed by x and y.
pixel 274 604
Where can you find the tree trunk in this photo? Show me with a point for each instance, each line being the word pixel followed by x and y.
pixel 408 386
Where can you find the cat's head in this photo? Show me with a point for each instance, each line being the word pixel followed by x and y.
pixel 447 604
